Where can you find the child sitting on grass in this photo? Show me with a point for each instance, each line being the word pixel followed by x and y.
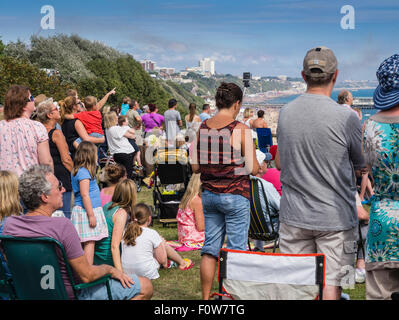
pixel 144 250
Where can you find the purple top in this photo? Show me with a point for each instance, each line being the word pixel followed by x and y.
pixel 152 120
pixel 60 229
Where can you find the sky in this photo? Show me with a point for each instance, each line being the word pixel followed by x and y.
pixel 264 37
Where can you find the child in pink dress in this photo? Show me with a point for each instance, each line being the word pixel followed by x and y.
pixel 190 217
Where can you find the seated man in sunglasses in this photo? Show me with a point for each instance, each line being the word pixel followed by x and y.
pixel 41 193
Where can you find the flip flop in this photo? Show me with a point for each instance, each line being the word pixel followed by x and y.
pixel 189 264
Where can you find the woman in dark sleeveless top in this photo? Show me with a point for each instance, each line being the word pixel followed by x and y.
pixel 73 128
pixel 225 157
pixel 49 115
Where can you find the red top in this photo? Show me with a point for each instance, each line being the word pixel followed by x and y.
pixel 222 167
pixel 91 120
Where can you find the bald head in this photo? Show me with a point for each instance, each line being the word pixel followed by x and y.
pixel 345 97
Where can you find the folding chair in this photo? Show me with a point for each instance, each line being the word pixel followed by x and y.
pixel 7 290
pixel 263 225
pixel 245 275
pixel 265 139
pixel 35 269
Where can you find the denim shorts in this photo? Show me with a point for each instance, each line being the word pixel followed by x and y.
pixel 118 292
pixel 93 134
pixel 225 214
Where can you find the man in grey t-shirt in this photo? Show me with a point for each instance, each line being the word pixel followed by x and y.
pixel 319 145
pixel 173 121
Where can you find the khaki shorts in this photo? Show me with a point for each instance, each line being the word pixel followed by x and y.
pixel 339 247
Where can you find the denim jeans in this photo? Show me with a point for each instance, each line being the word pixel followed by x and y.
pixel 225 214
pixel 93 134
pixel 66 204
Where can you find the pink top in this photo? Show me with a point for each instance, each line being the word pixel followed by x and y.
pixel 105 198
pixel 18 144
pixel 273 176
pixel 186 229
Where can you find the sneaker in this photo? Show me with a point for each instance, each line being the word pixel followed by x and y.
pixel 360 275
pixel 345 296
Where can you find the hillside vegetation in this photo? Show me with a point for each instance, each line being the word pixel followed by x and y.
pixel 89 66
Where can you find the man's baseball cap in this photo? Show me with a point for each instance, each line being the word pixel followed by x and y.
pixel 320 58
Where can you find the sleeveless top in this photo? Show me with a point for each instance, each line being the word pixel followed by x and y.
pixel 69 131
pixel 60 171
pixel 186 228
pixel 222 168
pixel 102 252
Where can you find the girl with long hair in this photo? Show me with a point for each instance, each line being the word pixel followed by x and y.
pixel 190 216
pixel 87 213
pixel 116 214
pixel 144 250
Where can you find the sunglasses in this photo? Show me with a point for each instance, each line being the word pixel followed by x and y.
pixel 31 99
pixel 60 186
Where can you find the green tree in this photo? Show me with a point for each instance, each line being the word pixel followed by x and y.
pixel 14 71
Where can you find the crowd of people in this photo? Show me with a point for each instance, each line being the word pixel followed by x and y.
pixel 325 167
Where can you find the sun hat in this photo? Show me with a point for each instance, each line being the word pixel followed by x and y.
pixel 386 95
pixel 319 58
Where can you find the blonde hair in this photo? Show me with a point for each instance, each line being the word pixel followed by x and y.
pixel 110 119
pixel 90 102
pixel 193 189
pixel 125 196
pixel 9 196
pixel 66 106
pixel 247 113
pixel 85 157
pixel 140 215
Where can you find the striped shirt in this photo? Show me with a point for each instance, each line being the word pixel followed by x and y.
pixel 222 167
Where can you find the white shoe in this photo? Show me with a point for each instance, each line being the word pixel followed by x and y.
pixel 360 275
pixel 345 296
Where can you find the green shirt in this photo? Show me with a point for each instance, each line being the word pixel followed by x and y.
pixel 102 253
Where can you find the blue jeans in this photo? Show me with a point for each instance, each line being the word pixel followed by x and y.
pixel 93 134
pixel 225 214
pixel 66 204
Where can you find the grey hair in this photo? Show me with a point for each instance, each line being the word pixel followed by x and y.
pixel 33 184
pixel 43 109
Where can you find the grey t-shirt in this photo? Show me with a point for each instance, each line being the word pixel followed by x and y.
pixel 319 144
pixel 171 126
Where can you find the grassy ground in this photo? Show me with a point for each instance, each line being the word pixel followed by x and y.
pixel 174 284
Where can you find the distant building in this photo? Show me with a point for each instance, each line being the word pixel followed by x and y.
pixel 148 65
pixel 207 66
pixel 283 78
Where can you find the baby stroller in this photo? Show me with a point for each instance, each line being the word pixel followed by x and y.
pixel 172 173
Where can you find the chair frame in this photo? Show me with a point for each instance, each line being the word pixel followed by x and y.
pixel 76 287
pixel 223 258
pixel 258 221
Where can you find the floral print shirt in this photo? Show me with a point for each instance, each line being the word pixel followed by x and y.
pixel 18 144
pixel 381 150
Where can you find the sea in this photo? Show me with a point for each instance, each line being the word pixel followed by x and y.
pixel 357 93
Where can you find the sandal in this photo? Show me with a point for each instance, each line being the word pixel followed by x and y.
pixel 189 264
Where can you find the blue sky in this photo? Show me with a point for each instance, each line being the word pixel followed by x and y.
pixel 264 37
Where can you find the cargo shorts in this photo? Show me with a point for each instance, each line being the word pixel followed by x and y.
pixel 339 248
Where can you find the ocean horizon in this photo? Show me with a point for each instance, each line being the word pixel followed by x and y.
pixel 357 93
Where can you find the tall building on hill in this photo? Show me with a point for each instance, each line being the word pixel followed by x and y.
pixel 148 65
pixel 207 66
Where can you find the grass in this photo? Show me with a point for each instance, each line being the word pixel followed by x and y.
pixel 175 284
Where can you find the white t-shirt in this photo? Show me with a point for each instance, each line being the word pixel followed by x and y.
pixel 139 259
pixel 117 143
